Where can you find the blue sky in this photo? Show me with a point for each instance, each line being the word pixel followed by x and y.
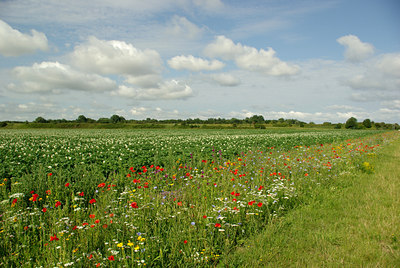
pixel 308 60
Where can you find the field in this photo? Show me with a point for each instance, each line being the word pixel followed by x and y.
pixel 159 197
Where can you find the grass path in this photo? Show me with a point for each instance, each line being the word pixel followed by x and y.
pixel 354 222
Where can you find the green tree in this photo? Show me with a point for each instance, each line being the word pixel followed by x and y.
pixel 367 123
pixel 40 120
pixel 81 119
pixel 117 119
pixel 351 123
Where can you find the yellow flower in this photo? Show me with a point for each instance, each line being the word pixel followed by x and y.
pixel 130 243
pixel 120 245
pixel 136 248
pixel 75 250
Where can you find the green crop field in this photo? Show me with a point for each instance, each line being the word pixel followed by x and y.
pixel 159 197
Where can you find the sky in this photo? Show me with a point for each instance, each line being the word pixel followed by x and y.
pixel 311 60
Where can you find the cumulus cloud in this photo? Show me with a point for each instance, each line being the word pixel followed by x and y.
pixel 355 49
pixel 55 77
pixel 249 58
pixel 380 79
pixel 115 57
pixel 15 43
pixel 194 64
pixel 182 27
pixel 224 79
pixel 166 90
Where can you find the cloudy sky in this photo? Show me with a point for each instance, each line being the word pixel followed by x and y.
pixel 310 60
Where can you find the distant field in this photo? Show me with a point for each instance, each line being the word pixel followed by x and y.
pixel 158 197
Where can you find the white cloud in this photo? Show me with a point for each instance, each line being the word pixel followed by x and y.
pixel 15 43
pixel 194 64
pixel 55 77
pixel 138 111
pixel 167 90
pixel 249 58
pixel 115 57
pixel 380 79
pixel 211 5
pixel 225 79
pixel 182 27
pixel 355 49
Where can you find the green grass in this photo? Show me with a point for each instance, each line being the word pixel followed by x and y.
pixel 351 222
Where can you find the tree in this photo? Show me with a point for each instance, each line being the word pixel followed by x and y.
pixel 367 123
pixel 81 119
pixel 351 123
pixel 117 119
pixel 40 120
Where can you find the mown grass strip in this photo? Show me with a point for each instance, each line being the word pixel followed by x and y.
pixel 352 222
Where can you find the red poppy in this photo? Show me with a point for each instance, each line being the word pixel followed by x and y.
pixel 217 225
pixel 26 228
pixel 251 203
pixel 90 256
pixel 67 184
pixel 260 204
pixel 233 193
pixel 111 258
pixel 96 221
pixel 101 185
pixel 234 199
pixel 48 192
pixel 81 194
pixel 134 205
pixel 237 194
pixel 50 174
pixel 14 201
pixel 35 196
pixel 204 217
pixel 92 216
pixel 58 203
pixel 92 201
pixel 131 169
pixel 179 203
pixel 54 238
pixel 44 210
pixel 185 242
pixel 74 228
pixel 105 226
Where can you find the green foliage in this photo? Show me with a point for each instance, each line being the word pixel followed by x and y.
pixel 351 123
pixel 367 123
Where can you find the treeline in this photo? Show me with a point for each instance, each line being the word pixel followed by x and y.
pixel 255 121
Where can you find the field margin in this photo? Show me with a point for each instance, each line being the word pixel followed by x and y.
pixel 352 221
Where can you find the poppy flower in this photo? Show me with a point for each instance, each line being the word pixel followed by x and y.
pixel 54 238
pixel 179 203
pixel 260 204
pixel 96 221
pixel 134 205
pixel 92 201
pixel 92 216
pixel 111 258
pixel 217 225
pixel 34 197
pixel 58 203
pixel 185 242
pixel 67 184
pixel 204 217
pixel 14 201
pixel 81 194
pixel 101 185
pixel 44 210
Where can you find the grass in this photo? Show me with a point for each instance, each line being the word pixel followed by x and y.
pixel 351 222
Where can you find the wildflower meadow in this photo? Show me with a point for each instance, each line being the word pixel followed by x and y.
pixel 159 198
